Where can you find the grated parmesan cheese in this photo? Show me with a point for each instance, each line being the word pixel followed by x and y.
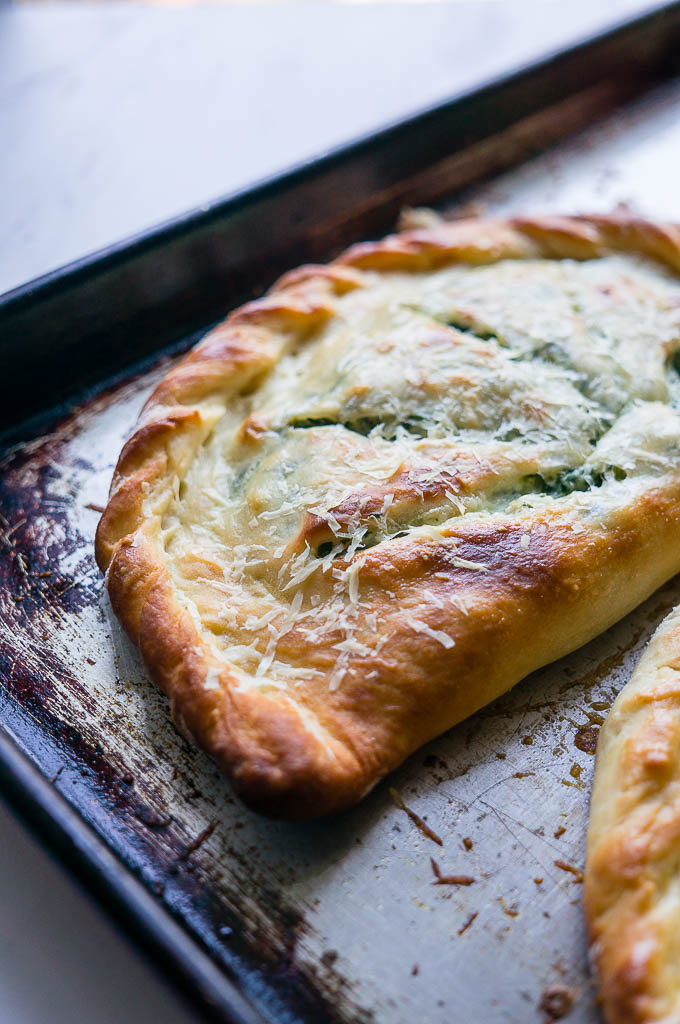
pixel 351 646
pixel 463 563
pixel 212 680
pixel 387 501
pixel 437 634
pixel 338 674
pixel 455 423
pixel 253 622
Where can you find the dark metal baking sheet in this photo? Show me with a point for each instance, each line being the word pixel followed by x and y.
pixel 75 327
pixel 337 920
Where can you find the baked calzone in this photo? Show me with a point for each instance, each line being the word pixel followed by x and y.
pixel 373 500
pixel 632 876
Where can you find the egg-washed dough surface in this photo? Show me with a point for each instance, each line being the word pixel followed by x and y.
pixel 631 895
pixel 370 502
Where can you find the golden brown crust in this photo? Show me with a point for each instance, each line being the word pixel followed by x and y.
pixel 263 745
pixel 632 901
pixel 307 751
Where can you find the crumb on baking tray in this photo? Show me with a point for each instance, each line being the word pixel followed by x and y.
pixel 471 918
pixel 556 1001
pixel 440 879
pixel 421 825
pixel 586 739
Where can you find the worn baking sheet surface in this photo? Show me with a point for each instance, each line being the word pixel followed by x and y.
pixel 340 919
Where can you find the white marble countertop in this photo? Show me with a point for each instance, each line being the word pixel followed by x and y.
pixel 114 117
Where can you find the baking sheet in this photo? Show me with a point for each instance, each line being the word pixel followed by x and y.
pixel 343 914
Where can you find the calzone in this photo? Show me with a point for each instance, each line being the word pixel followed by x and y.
pixel 371 501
